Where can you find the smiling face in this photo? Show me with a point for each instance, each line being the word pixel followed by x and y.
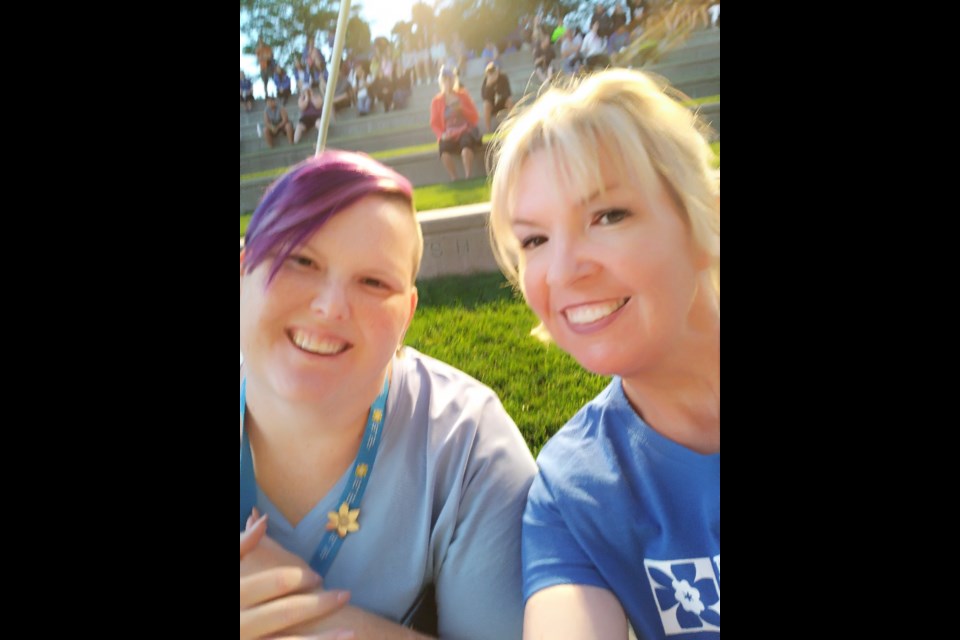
pixel 334 315
pixel 611 272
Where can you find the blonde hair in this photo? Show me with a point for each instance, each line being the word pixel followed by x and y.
pixel 621 119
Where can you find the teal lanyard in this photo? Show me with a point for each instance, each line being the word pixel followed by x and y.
pixel 345 520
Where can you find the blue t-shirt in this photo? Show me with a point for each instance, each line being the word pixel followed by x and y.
pixel 619 507
pixel 443 506
pixel 283 83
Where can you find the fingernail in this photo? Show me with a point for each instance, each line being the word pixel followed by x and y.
pixel 346 635
pixel 343 597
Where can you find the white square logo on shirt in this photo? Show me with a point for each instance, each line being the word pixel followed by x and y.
pixel 687 593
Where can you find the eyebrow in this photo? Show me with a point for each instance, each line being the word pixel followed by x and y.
pixel 583 203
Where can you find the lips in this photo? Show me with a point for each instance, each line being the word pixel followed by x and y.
pixel 588 314
pixel 318 346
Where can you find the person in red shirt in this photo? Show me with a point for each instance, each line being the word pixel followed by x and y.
pixel 454 118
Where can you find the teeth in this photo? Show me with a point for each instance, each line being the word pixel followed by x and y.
pixel 318 347
pixel 588 314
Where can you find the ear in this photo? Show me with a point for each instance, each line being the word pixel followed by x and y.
pixel 243 253
pixel 414 301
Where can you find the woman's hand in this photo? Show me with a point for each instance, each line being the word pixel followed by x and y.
pixel 278 591
pixel 256 528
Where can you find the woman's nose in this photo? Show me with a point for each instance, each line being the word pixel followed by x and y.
pixel 330 300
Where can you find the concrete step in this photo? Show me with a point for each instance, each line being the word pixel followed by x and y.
pixel 420 169
pixel 691 52
pixel 285 154
pixel 701 87
pixel 711 114
pixel 679 73
pixel 421 105
pixel 709 35
pixel 690 77
pixel 519 64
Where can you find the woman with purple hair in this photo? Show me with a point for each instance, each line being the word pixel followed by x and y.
pixel 380 472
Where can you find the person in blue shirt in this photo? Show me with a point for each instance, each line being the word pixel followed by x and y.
pixel 246 92
pixel 282 81
pixel 381 470
pixel 606 213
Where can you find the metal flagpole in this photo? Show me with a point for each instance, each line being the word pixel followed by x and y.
pixel 334 72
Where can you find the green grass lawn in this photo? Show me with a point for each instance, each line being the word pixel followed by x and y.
pixel 478 324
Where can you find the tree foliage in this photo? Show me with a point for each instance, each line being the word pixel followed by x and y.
pixel 358 37
pixel 285 25
pixel 422 15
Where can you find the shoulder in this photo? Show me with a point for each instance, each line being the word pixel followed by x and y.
pixel 443 385
pixel 465 420
pixel 586 447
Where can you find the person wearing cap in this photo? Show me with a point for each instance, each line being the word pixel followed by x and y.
pixel 454 118
pixel 495 93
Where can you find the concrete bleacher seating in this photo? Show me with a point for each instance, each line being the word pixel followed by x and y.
pixel 456 240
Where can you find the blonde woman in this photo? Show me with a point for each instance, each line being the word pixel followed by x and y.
pixel 605 212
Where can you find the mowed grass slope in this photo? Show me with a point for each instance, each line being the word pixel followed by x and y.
pixel 479 325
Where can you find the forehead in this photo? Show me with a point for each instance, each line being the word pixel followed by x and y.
pixel 375 229
pixel 548 181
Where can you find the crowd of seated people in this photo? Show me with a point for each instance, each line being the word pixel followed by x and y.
pixel 384 80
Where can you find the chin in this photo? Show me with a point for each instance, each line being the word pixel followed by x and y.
pixel 603 361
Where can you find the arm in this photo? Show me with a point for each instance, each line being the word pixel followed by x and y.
pixel 436 116
pixel 479 590
pixel 284 118
pixel 574 612
pixel 567 597
pixel 486 91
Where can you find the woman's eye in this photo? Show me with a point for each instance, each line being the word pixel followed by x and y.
pixel 613 216
pixel 373 282
pixel 533 242
pixel 301 261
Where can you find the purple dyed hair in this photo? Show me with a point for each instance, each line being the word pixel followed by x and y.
pixel 309 194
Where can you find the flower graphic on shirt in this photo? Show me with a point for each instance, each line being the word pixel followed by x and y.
pixel 686 602
pixel 362 470
pixel 344 521
pixel 377 415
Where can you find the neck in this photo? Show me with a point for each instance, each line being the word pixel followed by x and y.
pixel 680 399
pixel 302 426
pixel 301 451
